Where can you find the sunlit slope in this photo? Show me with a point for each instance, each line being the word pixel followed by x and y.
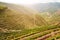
pixel 55 19
pixel 49 11
pixel 19 17
pixel 52 19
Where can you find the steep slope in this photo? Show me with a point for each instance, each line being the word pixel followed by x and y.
pixel 19 17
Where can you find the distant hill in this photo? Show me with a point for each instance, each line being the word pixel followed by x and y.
pixel 49 11
pixel 19 17
pixel 47 7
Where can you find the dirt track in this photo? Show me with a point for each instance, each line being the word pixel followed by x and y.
pixel 47 36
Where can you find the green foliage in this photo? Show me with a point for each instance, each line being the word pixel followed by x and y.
pixel 2 8
pixel 41 34
pixel 27 32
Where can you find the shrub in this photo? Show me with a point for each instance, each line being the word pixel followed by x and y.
pixel 2 8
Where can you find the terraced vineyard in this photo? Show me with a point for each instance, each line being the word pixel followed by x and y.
pixel 31 34
pixel 37 36
pixel 54 37
pixel 20 23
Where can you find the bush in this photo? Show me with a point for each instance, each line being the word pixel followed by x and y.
pixel 2 8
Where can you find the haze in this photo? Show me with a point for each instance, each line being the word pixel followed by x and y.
pixel 27 2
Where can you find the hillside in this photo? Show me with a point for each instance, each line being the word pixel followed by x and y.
pixel 19 17
pixel 49 11
pixel 18 22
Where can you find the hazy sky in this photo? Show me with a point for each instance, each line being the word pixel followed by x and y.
pixel 24 2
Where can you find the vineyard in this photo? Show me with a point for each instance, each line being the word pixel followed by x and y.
pixel 48 33
pixel 18 24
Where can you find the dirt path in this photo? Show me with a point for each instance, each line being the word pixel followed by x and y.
pixel 47 36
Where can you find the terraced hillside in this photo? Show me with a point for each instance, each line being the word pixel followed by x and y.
pixel 21 23
pixel 17 17
pixel 49 11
